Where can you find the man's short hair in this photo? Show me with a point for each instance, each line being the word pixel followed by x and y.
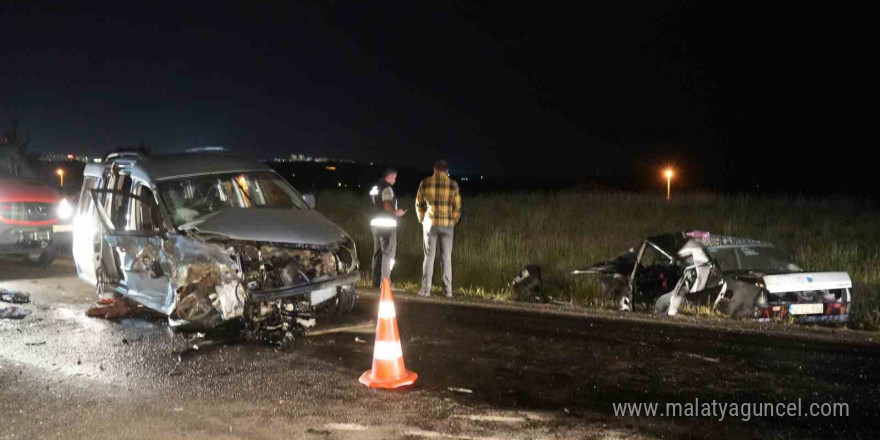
pixel 441 165
pixel 388 172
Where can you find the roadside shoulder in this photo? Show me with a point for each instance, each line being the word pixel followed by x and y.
pixel 797 332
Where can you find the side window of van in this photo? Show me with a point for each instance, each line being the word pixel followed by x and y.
pixel 85 198
pixel 119 201
pixel 144 213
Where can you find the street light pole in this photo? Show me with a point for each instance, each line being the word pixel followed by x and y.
pixel 668 174
pixel 60 173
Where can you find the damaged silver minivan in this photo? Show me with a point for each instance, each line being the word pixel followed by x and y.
pixel 740 277
pixel 210 238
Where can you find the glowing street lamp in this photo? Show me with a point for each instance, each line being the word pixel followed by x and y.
pixel 60 173
pixel 668 174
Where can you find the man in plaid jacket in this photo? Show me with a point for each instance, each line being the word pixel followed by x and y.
pixel 438 206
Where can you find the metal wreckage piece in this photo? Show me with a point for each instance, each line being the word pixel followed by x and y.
pixel 213 282
pixel 528 286
pixel 740 277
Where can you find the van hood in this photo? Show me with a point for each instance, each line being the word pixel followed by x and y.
pixel 14 189
pixel 269 225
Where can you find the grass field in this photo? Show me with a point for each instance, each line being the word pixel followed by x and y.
pixel 499 234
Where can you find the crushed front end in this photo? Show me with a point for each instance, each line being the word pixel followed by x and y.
pixel 287 284
pixel 275 290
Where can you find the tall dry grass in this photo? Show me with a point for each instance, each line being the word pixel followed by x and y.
pixel 562 231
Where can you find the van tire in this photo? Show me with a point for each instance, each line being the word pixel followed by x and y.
pixel 45 259
pixel 345 299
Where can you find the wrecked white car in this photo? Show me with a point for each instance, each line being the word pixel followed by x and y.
pixel 738 276
pixel 209 239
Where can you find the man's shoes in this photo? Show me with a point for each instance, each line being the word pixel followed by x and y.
pixel 449 295
pixel 424 294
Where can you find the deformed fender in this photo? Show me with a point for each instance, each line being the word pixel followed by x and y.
pixel 199 265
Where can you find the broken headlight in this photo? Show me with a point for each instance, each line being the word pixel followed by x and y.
pixel 346 256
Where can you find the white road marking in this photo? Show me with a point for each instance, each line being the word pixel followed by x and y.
pixel 345 427
pixel 500 419
pixel 432 434
pixel 460 390
pixel 365 327
pixel 703 358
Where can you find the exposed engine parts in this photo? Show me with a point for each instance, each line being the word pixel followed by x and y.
pixel 261 267
pixel 220 282
pixel 267 267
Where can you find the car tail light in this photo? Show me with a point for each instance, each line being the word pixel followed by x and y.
pixel 835 309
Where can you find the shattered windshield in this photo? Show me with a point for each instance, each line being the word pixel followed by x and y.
pixel 189 198
pixel 764 259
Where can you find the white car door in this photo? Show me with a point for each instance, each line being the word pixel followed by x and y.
pixel 134 233
pixel 85 237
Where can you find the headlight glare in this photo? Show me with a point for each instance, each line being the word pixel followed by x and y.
pixel 65 211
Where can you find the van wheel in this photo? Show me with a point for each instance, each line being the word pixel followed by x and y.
pixel 45 259
pixel 345 299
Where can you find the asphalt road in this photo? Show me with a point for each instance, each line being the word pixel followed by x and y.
pixel 484 372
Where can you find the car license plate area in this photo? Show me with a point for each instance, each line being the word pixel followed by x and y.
pixel 806 309
pixel 62 228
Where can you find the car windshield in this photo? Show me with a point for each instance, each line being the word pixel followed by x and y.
pixel 765 259
pixel 189 198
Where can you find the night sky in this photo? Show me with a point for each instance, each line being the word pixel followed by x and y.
pixel 779 94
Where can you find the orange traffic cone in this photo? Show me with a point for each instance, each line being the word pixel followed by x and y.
pixel 388 369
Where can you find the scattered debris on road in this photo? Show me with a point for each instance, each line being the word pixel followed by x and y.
pixel 113 311
pixel 14 296
pixel 13 312
pixel 528 286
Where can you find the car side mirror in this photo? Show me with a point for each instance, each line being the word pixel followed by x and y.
pixel 310 200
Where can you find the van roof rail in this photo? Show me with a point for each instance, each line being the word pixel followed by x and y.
pixel 123 155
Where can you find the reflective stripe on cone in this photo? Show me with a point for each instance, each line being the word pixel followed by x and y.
pixel 386 310
pixel 387 351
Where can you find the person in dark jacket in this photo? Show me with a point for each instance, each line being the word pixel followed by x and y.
pixel 383 224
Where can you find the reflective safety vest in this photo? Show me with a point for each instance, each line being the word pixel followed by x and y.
pixel 380 217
